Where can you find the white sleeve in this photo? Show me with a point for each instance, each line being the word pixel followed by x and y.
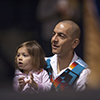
pixel 82 81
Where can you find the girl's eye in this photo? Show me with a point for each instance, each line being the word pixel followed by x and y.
pixel 18 55
pixel 25 55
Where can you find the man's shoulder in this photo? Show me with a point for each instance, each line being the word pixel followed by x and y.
pixel 82 63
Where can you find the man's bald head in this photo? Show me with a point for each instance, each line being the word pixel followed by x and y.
pixel 74 29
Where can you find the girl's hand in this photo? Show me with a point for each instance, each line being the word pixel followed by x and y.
pixel 32 83
pixel 22 83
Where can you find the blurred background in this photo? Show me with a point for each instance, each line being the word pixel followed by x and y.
pixel 23 20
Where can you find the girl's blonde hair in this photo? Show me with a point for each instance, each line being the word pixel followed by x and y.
pixel 36 53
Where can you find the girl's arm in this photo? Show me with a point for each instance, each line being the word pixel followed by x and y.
pixel 46 84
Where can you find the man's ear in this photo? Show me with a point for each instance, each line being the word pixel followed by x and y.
pixel 76 41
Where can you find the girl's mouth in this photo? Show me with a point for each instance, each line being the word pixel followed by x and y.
pixel 20 64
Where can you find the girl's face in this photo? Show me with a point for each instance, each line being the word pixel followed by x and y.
pixel 24 60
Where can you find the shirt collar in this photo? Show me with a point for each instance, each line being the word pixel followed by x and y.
pixel 75 57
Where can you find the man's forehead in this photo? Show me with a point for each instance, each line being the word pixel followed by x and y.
pixel 64 25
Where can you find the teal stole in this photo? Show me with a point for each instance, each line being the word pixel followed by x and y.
pixel 68 77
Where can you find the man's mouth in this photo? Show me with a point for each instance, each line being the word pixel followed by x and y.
pixel 55 46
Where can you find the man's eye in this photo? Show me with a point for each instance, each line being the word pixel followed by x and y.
pixel 53 33
pixel 62 36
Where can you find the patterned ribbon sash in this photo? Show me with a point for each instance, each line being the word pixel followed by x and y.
pixel 67 78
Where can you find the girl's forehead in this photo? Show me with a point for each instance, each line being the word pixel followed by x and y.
pixel 22 49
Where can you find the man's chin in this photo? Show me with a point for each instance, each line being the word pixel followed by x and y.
pixel 54 52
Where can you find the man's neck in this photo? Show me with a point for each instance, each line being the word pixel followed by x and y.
pixel 63 61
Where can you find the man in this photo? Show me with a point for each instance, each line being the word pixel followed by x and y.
pixel 65 68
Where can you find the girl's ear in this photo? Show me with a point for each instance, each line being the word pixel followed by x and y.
pixel 75 43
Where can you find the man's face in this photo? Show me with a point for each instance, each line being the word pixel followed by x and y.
pixel 61 41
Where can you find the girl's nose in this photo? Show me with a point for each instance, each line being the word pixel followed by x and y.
pixel 20 58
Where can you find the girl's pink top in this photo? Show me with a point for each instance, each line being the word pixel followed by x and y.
pixel 41 78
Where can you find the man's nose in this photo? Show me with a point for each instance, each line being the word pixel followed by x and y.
pixel 55 37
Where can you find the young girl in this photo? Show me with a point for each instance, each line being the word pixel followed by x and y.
pixel 29 63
